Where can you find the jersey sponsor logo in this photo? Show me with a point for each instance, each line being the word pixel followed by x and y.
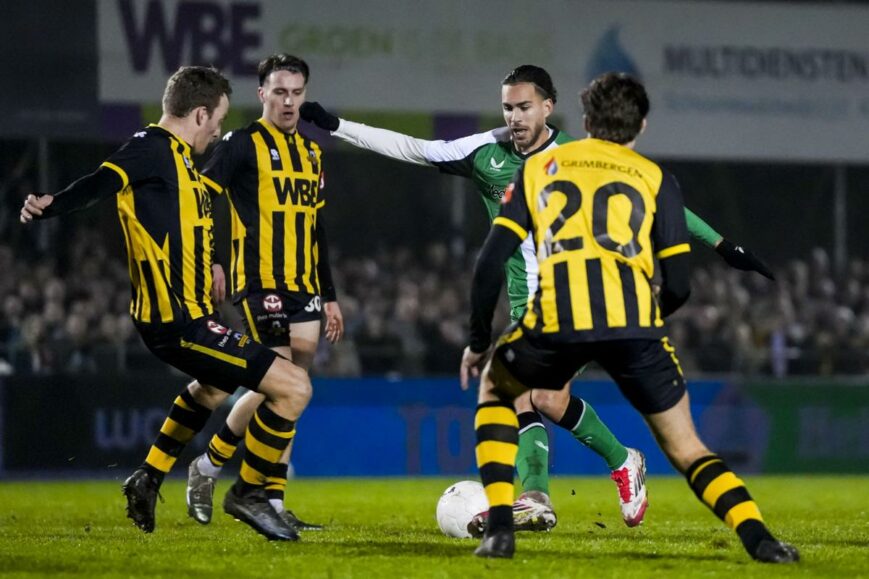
pixel 601 165
pixel 494 192
pixel 313 305
pixel 273 303
pixel 551 166
pixel 217 328
pixel 227 136
pixel 139 135
pixel 187 162
pixel 496 166
pixel 301 192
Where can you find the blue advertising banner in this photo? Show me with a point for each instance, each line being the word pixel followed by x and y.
pixel 425 427
pixel 100 425
pixel 103 425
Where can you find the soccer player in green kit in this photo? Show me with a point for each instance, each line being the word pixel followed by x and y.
pixel 490 160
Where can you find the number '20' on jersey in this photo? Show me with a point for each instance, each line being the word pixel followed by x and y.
pixel 600 214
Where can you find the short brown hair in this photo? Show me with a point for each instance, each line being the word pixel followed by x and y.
pixel 194 86
pixel 282 61
pixel 615 105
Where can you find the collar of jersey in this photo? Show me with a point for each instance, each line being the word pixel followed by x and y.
pixel 173 135
pixel 552 136
pixel 275 132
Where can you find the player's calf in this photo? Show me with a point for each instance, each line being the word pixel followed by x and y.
pixel 719 488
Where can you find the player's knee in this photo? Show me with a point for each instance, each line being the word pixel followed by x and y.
pixel 288 383
pixel 552 403
pixel 206 395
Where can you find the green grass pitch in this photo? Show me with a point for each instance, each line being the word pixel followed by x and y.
pixel 386 528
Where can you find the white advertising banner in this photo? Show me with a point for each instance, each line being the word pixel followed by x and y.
pixel 726 80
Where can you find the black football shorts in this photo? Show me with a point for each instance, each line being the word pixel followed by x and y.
pixel 267 314
pixel 646 370
pixel 210 352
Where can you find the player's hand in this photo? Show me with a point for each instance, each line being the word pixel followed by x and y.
pixel 34 206
pixel 334 322
pixel 741 258
pixel 313 112
pixel 472 363
pixel 218 284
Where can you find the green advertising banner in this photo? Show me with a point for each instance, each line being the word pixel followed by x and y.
pixel 814 425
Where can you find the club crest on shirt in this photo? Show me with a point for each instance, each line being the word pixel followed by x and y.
pixel 551 167
pixel 275 156
pixel 272 303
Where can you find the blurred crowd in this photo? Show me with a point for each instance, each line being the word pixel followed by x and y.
pixel 811 321
pixel 406 314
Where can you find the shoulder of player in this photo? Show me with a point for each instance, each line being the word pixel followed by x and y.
pixel 149 141
pixel 562 137
pixel 310 143
pixel 241 136
pixel 648 167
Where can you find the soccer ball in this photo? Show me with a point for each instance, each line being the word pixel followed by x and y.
pixel 458 505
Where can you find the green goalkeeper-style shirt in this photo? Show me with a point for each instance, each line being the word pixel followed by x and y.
pixel 489 160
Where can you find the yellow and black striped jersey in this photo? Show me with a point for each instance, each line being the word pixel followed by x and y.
pixel 165 214
pixel 601 215
pixel 275 183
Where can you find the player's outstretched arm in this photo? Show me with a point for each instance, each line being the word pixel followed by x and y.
pixel 735 255
pixel 82 194
pixel 701 231
pixel 396 145
pixel 742 258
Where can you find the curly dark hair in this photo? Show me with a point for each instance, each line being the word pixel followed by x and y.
pixel 615 105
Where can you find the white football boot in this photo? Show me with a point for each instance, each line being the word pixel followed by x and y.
pixel 532 511
pixel 630 478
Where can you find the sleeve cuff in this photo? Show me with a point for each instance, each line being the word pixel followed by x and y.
pixel 673 250
pixel 511 225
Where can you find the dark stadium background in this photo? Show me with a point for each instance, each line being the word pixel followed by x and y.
pixel 779 372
